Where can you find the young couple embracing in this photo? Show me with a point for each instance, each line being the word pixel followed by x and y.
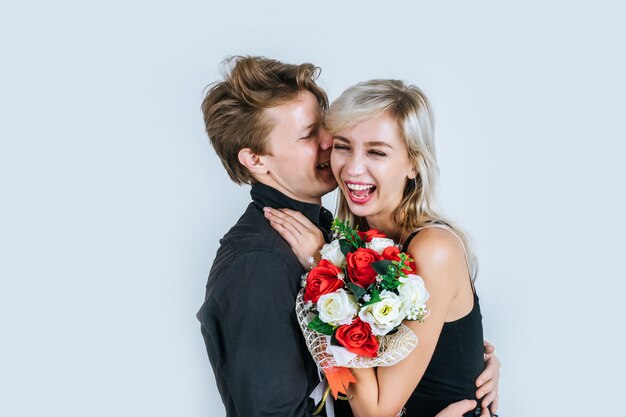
pixel 273 128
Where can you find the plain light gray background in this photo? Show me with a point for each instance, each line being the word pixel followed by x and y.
pixel 112 201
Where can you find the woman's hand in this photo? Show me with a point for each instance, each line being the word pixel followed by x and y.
pixel 487 381
pixel 304 238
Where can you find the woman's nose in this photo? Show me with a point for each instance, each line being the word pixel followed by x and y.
pixel 355 165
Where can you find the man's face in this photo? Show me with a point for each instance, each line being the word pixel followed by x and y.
pixel 299 150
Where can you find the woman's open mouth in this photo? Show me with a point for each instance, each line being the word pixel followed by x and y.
pixel 360 193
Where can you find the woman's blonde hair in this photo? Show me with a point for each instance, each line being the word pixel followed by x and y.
pixel 409 106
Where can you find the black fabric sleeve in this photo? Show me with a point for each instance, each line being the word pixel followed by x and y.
pixel 262 359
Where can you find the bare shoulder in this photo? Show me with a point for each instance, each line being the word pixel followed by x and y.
pixel 436 248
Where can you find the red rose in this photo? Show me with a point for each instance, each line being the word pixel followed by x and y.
pixel 370 234
pixel 392 253
pixel 358 338
pixel 360 268
pixel 322 280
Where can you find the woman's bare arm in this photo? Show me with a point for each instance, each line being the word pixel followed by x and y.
pixel 441 263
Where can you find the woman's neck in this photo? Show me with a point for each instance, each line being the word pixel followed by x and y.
pixel 386 226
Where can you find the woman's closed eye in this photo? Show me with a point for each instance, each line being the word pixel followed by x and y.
pixel 340 146
pixel 375 152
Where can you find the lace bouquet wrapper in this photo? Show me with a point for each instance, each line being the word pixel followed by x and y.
pixel 354 301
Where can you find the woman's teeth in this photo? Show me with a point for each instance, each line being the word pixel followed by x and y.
pixel 360 192
pixel 359 187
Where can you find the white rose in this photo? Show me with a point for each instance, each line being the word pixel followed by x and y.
pixel 379 244
pixel 413 293
pixel 384 315
pixel 332 252
pixel 337 308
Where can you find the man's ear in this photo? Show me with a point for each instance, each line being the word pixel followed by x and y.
pixel 252 162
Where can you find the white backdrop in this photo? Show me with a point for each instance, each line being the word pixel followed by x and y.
pixel 112 201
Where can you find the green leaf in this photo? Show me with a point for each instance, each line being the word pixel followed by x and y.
pixel 375 297
pixel 357 290
pixel 391 285
pixel 400 266
pixel 343 230
pixel 319 326
pixel 345 247
pixel 382 267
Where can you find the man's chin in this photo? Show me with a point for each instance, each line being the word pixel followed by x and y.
pixel 330 186
pixel 325 189
pixel 328 179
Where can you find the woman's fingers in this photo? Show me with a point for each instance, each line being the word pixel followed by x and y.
pixel 294 217
pixel 300 218
pixel 285 220
pixel 285 233
pixel 293 227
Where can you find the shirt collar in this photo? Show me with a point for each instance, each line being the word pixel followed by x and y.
pixel 266 196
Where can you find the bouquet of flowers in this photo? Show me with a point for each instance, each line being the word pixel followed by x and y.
pixel 354 301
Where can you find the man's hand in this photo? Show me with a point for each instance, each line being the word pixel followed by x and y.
pixel 458 409
pixel 487 381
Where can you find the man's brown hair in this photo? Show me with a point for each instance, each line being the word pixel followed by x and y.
pixel 233 108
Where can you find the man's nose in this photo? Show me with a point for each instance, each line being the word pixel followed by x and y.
pixel 326 140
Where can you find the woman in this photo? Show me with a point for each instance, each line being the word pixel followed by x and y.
pixel 384 161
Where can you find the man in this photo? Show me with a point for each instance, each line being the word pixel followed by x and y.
pixel 265 121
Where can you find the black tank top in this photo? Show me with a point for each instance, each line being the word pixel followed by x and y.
pixel 456 363
pixel 451 374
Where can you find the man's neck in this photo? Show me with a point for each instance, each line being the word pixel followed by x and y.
pixel 273 184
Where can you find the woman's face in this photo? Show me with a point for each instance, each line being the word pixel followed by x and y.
pixel 371 165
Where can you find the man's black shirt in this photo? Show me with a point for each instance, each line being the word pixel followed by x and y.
pixel 259 358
